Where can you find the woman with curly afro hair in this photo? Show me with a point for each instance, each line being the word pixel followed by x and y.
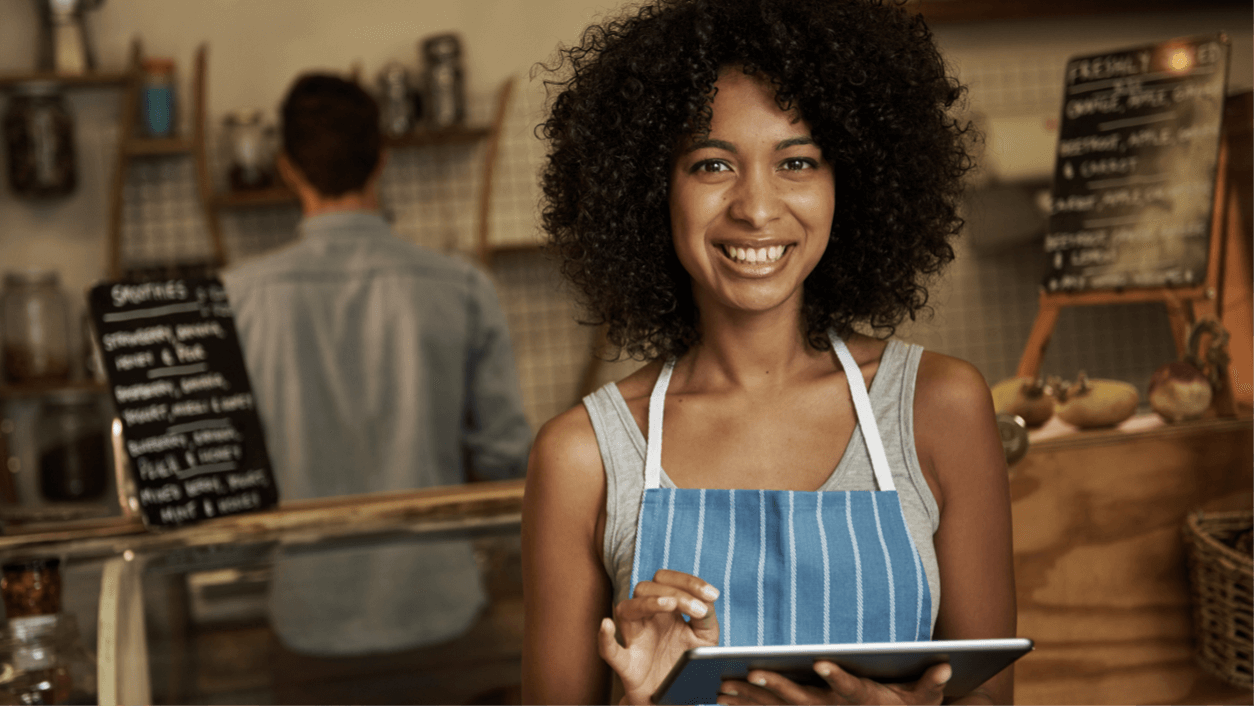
pixel 750 195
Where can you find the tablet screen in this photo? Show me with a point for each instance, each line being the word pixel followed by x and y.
pixel 697 676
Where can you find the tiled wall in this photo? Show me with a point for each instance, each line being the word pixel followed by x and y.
pixel 983 306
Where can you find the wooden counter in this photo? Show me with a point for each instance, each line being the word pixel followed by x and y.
pixel 467 506
pixel 1101 578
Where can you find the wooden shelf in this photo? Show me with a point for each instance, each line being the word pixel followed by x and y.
pixel 40 390
pixel 280 195
pixel 271 196
pixel 1056 435
pixel 147 147
pixel 102 79
pixel 456 135
pixel 515 247
pixel 945 11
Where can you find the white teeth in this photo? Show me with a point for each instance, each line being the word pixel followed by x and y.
pixel 755 256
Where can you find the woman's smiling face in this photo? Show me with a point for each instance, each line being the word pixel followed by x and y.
pixel 751 203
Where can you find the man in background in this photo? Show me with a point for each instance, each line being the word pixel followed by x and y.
pixel 377 366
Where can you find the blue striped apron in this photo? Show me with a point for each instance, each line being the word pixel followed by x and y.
pixel 792 567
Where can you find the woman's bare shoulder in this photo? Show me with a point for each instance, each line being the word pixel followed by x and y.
pixel 566 448
pixel 945 383
pixel 954 419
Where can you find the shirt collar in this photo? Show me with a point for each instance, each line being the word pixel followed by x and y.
pixel 338 223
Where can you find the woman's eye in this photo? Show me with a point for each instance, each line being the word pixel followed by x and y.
pixel 710 166
pixel 798 163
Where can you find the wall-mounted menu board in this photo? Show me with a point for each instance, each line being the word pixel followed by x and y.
pixel 179 383
pixel 1136 158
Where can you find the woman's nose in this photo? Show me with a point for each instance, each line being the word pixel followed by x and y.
pixel 754 201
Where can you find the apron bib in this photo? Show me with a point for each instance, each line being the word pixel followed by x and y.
pixel 792 567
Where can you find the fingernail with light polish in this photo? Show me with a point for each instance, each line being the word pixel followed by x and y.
pixel 759 681
pixel 697 609
pixel 710 593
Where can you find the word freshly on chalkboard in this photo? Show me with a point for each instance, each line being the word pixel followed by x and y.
pixel 179 383
pixel 1133 189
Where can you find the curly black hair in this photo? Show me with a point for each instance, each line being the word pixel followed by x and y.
pixel 867 78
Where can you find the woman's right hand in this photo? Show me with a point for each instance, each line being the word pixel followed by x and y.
pixel 653 632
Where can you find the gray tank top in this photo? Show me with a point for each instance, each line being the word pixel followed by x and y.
pixel 623 449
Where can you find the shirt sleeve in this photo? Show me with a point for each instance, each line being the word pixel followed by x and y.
pixel 497 433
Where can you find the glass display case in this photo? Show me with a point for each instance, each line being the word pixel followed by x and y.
pixel 181 616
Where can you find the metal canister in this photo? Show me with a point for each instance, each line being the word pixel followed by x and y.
pixel 445 103
pixel 1013 437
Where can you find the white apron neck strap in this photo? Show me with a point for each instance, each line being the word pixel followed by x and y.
pixel 655 426
pixel 864 415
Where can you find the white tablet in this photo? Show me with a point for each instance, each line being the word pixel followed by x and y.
pixel 697 676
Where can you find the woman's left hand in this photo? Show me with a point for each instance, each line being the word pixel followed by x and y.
pixel 765 688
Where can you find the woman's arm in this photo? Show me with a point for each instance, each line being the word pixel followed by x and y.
pixel 566 591
pixel 959 448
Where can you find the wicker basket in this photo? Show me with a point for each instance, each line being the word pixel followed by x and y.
pixel 1221 581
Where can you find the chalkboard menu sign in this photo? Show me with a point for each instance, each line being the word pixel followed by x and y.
pixel 1136 158
pixel 179 383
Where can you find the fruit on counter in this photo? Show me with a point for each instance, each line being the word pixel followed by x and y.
pixel 1179 391
pixel 1096 403
pixel 1025 397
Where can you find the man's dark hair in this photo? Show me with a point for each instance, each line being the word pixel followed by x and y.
pixel 864 74
pixel 331 131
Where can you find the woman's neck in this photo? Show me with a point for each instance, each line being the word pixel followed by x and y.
pixel 750 351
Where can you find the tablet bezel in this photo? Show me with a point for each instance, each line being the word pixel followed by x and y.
pixel 699 672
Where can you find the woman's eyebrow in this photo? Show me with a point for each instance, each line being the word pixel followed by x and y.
pixel 729 147
pixel 711 143
pixel 792 142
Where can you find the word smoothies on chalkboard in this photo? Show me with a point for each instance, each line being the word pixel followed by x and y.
pixel 1136 159
pixel 179 383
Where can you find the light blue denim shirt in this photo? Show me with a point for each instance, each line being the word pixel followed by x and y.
pixel 376 365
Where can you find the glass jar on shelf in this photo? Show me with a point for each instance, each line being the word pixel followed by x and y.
pixel 397 101
pixel 43 660
pixel 39 135
pixel 36 338
pixel 72 439
pixel 32 673
pixel 157 98
pixel 249 149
